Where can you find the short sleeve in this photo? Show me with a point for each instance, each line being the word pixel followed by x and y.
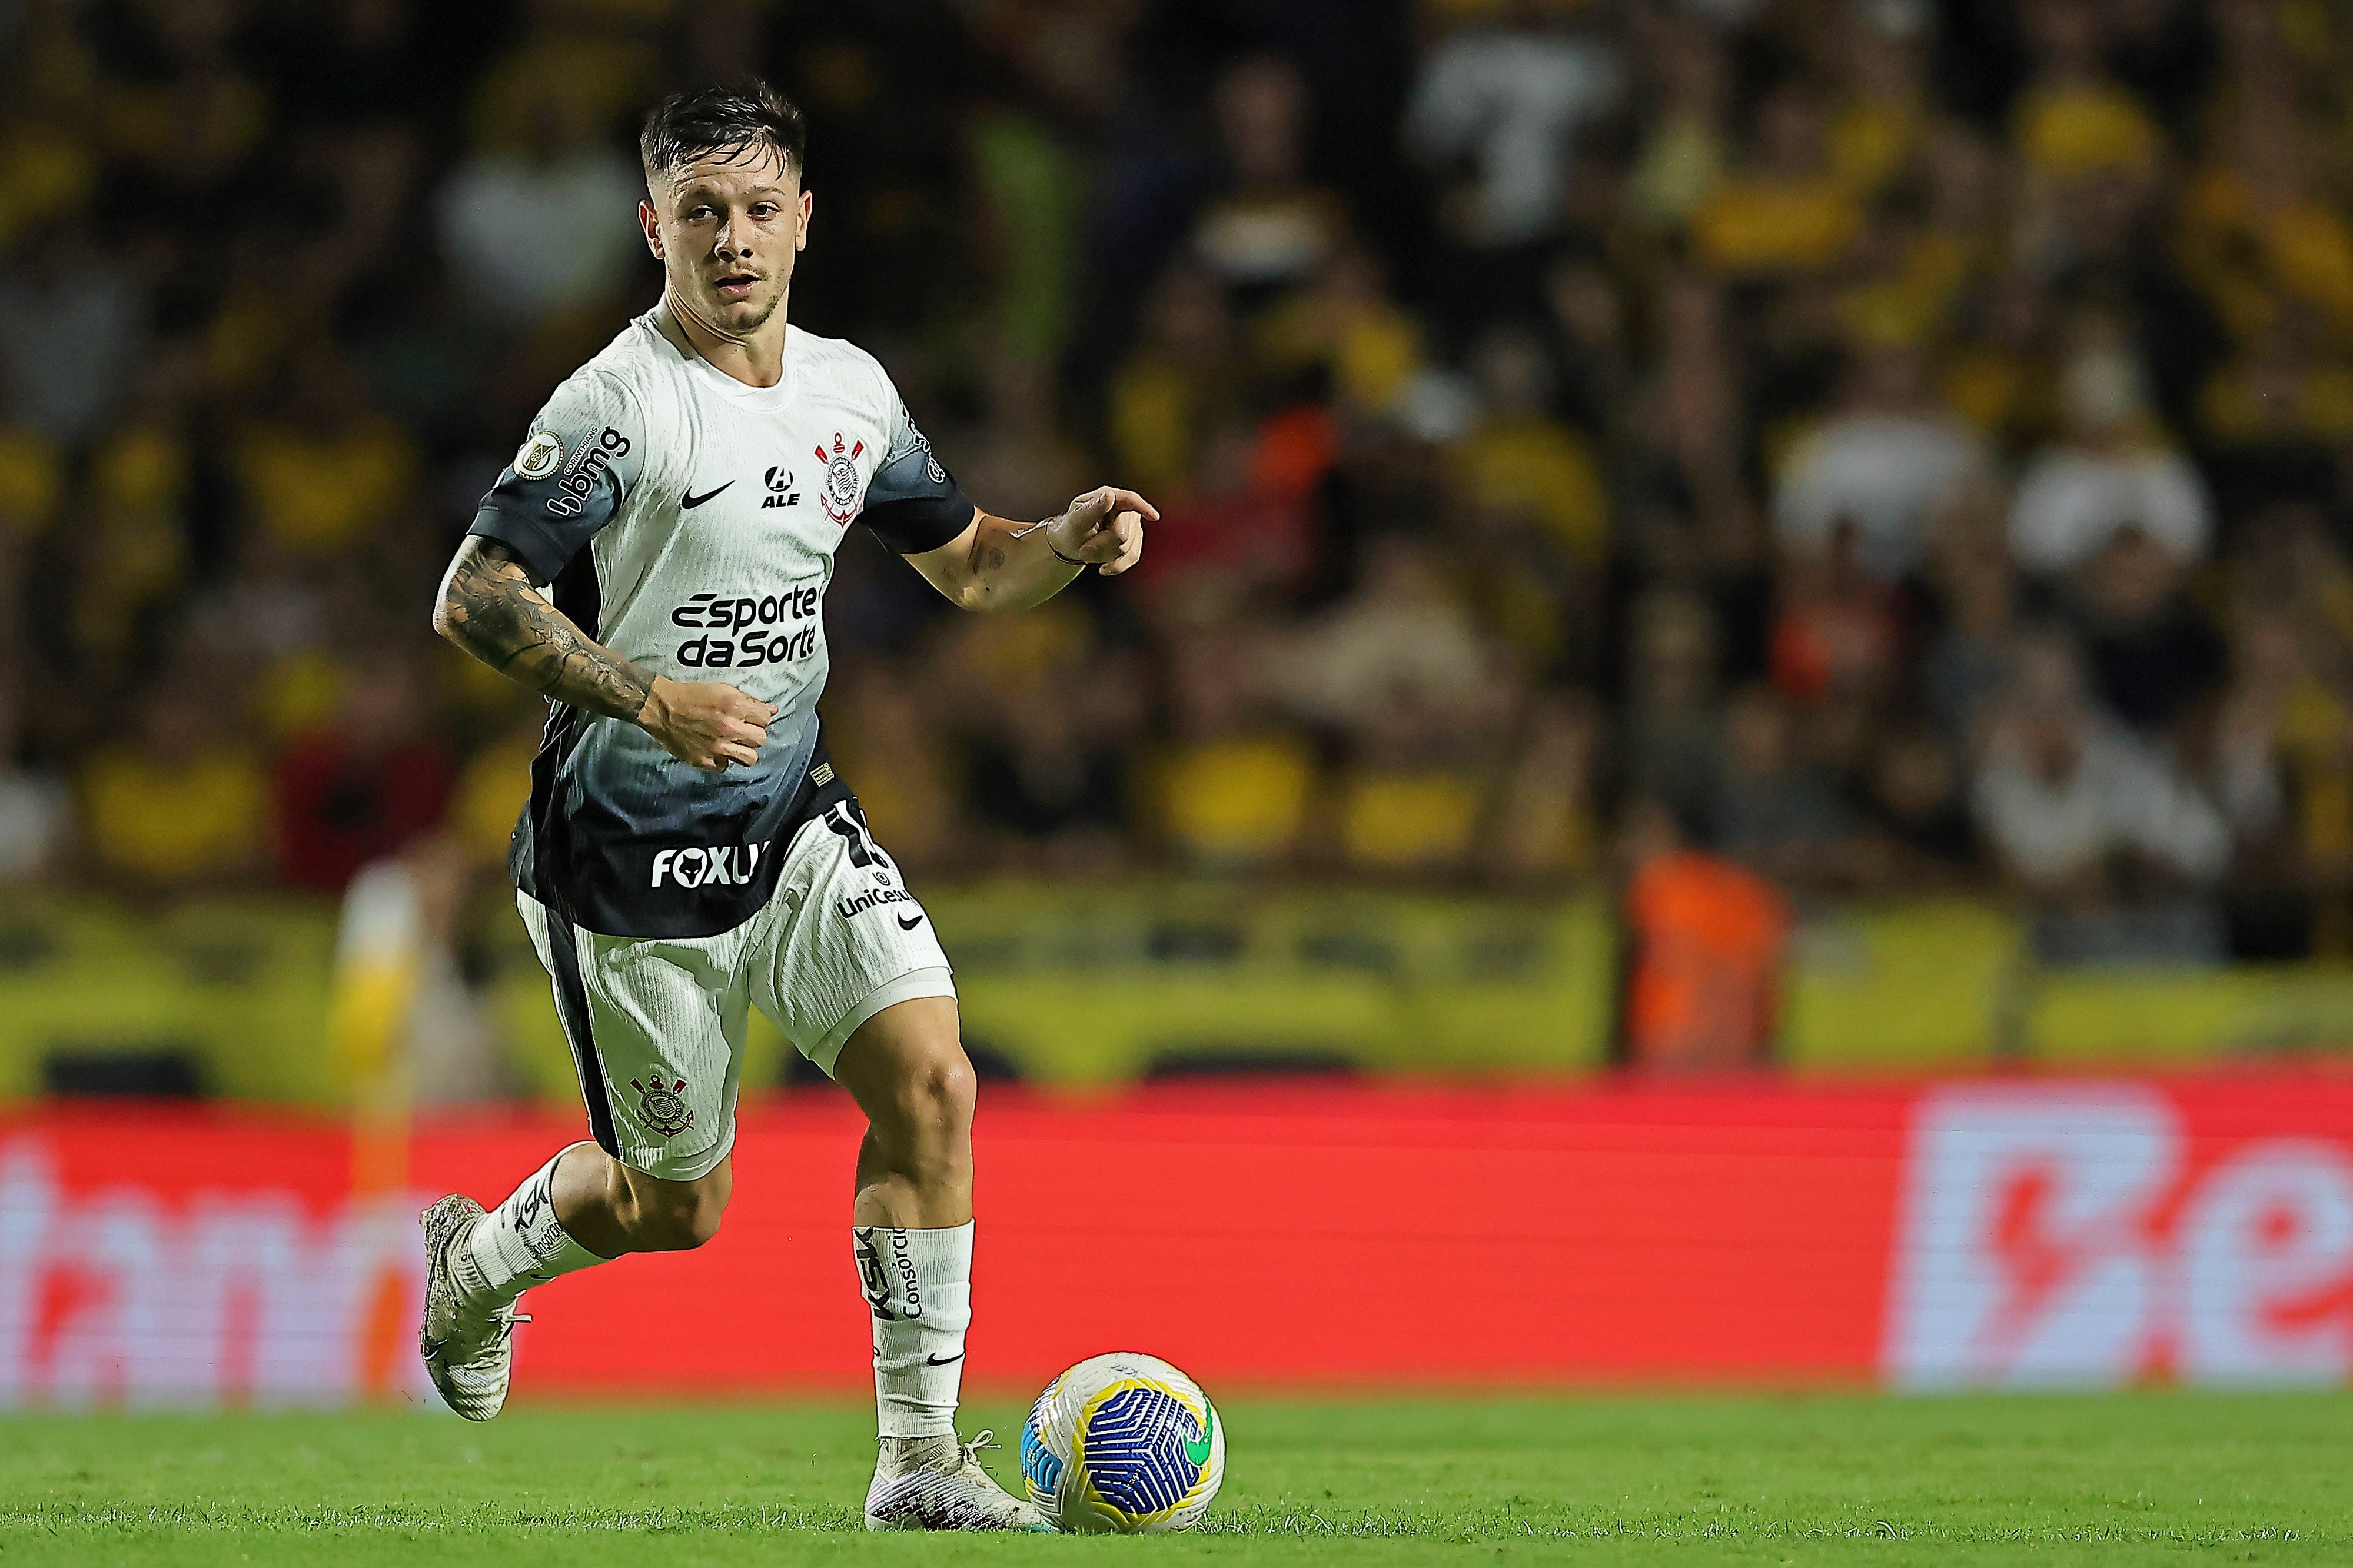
pixel 583 455
pixel 912 503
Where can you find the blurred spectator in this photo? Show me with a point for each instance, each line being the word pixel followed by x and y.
pixel 322 471
pixel 1506 98
pixel 401 1016
pixel 1232 524
pixel 1409 798
pixel 2075 123
pixel 1784 209
pixel 1545 822
pixel 1967 662
pixel 365 788
pixel 1671 720
pixel 1885 464
pixel 35 814
pixel 1835 630
pixel 884 735
pixel 2093 823
pixel 1705 938
pixel 1346 325
pixel 1883 110
pixel 1402 634
pixel 187 807
pixel 2153 652
pixel 1182 380
pixel 2111 473
pixel 1520 461
pixel 1687 145
pixel 1693 418
pixel 2260 231
pixel 1915 816
pixel 1046 717
pixel 1232 790
pixel 544 225
pixel 72 318
pixel 1770 812
pixel 1270 225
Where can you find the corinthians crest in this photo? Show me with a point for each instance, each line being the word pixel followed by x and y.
pixel 839 491
pixel 661 1110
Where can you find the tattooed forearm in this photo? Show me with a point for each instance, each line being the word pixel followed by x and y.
pixel 490 608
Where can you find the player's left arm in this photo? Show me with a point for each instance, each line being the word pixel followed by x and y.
pixel 997 563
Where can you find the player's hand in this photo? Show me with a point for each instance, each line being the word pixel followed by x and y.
pixel 707 724
pixel 1104 528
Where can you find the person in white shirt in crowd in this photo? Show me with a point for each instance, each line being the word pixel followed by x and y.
pixel 1508 99
pixel 532 232
pixel 1889 462
pixel 2114 472
pixel 2104 831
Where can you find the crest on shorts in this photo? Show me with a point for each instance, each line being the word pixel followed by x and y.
pixel 661 1110
pixel 841 486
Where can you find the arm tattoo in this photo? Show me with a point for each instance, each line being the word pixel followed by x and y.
pixel 490 609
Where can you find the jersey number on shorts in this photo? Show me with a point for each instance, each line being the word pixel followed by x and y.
pixel 850 824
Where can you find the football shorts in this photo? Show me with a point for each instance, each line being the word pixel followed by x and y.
pixel 656 1024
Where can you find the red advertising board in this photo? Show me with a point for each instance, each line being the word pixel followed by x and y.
pixel 1948 1235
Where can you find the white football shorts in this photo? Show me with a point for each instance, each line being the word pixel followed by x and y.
pixel 657 1023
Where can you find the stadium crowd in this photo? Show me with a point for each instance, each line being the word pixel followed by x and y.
pixel 1890 447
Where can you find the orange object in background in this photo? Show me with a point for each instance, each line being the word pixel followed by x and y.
pixel 1702 991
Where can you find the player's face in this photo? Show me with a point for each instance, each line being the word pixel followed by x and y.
pixel 727 231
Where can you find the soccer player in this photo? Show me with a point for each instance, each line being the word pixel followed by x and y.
pixel 655 563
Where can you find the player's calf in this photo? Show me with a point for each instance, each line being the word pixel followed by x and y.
pixel 617 1209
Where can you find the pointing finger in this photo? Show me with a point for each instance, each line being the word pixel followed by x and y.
pixel 1128 501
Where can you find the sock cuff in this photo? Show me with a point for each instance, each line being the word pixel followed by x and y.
pixel 948 1250
pixel 916 1275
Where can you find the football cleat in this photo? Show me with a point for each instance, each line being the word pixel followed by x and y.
pixel 469 1356
pixel 936 1483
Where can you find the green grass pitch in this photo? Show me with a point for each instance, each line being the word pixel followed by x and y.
pixel 1772 1480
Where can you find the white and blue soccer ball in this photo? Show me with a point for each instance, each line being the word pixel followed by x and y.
pixel 1124 1444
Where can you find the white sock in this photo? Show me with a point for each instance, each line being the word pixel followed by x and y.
pixel 919 1283
pixel 518 1245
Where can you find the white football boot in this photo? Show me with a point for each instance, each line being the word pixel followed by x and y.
pixel 469 1356
pixel 936 1483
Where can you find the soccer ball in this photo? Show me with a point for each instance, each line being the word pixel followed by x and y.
pixel 1123 1443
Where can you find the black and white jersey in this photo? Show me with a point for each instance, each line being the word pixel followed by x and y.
pixel 688 523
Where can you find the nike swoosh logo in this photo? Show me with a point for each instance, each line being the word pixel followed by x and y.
pixel 691 502
pixel 1199 1452
pixel 943 1360
pixel 907 924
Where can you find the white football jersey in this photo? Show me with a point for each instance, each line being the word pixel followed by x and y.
pixel 688 523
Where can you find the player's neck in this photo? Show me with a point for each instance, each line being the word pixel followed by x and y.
pixel 755 359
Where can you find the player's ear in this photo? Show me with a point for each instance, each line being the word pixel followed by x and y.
pixel 651 222
pixel 800 234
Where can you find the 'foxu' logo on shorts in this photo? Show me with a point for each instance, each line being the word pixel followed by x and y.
pixel 729 863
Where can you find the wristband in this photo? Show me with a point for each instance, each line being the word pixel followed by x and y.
pixel 1066 560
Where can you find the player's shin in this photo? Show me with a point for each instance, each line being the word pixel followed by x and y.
pixel 919 1284
pixel 518 1245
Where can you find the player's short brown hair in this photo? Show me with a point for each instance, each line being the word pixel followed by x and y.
pixel 746 118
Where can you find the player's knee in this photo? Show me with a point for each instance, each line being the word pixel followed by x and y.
pixel 941 1092
pixel 931 1108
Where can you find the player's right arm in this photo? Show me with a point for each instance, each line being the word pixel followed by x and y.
pixel 489 607
pixel 584 454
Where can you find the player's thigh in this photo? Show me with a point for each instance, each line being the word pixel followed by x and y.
pixel 843 940
pixel 657 1028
